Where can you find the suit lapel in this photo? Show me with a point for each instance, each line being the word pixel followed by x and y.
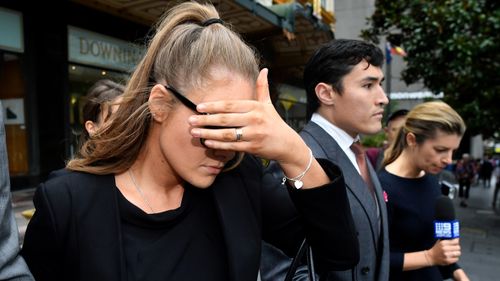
pixel 352 178
pixel 379 192
pixel 239 225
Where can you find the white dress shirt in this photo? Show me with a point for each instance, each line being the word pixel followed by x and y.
pixel 345 141
pixel 340 136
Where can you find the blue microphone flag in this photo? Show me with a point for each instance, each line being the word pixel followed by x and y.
pixel 446 229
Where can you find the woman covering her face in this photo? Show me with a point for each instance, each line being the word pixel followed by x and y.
pixel 164 191
pixel 423 147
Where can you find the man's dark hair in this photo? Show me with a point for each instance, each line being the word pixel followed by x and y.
pixel 332 62
pixel 396 114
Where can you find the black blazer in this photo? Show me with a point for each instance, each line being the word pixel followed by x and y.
pixel 75 233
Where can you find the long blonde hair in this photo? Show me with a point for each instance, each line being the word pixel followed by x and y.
pixel 182 52
pixel 424 121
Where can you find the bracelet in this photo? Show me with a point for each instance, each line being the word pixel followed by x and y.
pixel 297 181
pixel 427 258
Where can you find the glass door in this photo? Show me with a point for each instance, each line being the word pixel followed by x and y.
pixel 12 94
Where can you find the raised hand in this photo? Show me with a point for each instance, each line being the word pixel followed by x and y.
pixel 255 127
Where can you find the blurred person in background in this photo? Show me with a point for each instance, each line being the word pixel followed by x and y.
pixel 392 125
pixel 465 172
pixel 496 174
pixel 423 148
pixel 101 101
pixel 485 171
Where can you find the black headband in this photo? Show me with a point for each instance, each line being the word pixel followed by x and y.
pixel 212 21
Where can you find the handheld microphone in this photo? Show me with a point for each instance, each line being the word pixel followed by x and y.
pixel 445 225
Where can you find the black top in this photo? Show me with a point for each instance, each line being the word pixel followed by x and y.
pixel 77 230
pixel 168 245
pixel 410 208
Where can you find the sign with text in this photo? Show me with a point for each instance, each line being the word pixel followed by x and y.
pixel 446 229
pixel 99 50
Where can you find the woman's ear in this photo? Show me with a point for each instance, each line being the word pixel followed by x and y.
pixel 90 127
pixel 158 100
pixel 325 93
pixel 411 139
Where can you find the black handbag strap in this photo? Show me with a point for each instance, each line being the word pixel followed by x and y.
pixel 303 250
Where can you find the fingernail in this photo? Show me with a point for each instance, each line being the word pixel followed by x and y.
pixel 193 119
pixel 195 132
pixel 201 107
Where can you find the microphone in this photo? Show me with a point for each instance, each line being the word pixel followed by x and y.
pixel 445 225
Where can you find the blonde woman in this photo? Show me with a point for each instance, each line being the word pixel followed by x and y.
pixel 423 147
pixel 164 192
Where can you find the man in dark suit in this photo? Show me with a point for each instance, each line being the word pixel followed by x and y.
pixel 345 100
